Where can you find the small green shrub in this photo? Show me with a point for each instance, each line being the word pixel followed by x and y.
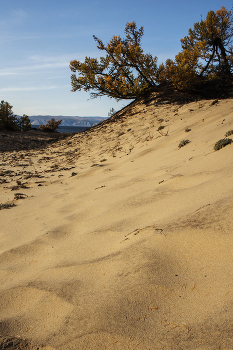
pixel 183 143
pixel 161 127
pixel 228 133
pixel 187 130
pixel 6 205
pixel 222 143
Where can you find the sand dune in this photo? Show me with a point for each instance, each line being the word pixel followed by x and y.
pixel 119 239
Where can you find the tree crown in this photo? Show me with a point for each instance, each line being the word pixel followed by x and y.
pixel 126 72
pixel 8 120
pixel 51 126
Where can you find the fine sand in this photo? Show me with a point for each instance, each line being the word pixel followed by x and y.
pixel 118 239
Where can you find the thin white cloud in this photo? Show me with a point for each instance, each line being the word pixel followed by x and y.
pixel 2 73
pixel 48 59
pixel 40 62
pixel 62 58
pixel 18 37
pixel 32 88
pixel 53 65
pixel 28 69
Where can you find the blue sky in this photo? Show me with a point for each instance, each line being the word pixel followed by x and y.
pixel 39 38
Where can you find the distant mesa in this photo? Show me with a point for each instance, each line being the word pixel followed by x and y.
pixel 67 120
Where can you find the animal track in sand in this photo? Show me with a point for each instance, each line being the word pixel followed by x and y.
pixel 140 230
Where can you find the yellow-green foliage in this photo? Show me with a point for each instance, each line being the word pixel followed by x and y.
pixel 206 53
pixel 208 45
pixel 178 73
pixel 125 72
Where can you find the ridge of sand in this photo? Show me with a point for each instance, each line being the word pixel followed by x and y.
pixel 119 239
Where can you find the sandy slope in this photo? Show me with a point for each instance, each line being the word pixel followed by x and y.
pixel 123 240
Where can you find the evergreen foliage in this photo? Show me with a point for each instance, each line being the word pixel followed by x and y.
pixel 6 205
pixel 24 123
pixel 183 143
pixel 10 121
pixel 222 143
pixel 51 126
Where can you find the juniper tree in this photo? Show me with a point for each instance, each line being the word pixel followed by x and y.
pixel 7 118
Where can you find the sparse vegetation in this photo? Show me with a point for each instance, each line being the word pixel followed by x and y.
pixel 51 126
pixel 18 186
pixel 121 133
pixel 24 123
pixel 6 205
pixel 19 196
pixel 183 143
pixel 111 112
pixel 187 130
pixel 160 128
pixel 228 133
pixel 10 121
pixel 214 102
pixel 222 143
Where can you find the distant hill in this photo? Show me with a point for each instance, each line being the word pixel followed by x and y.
pixel 67 120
